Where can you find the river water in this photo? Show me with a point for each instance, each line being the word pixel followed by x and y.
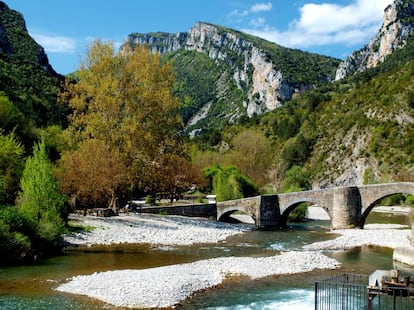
pixel 32 287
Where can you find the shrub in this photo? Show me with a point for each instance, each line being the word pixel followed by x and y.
pixel 228 183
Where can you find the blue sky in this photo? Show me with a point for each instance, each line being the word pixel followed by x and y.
pixel 328 27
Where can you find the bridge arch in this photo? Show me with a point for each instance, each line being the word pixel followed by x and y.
pixel 376 193
pixel 292 205
pixel 246 206
pixel 227 216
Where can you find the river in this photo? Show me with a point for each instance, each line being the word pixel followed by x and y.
pixel 31 287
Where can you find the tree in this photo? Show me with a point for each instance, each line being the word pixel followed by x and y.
pixel 40 201
pixel 252 154
pixel 175 175
pixel 10 116
pixel 93 173
pixel 11 167
pixel 14 244
pixel 297 179
pixel 124 101
pixel 228 183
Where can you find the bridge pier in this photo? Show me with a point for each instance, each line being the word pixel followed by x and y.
pixel 347 206
pixel 268 217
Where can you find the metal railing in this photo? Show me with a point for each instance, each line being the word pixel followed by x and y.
pixel 352 292
pixel 342 292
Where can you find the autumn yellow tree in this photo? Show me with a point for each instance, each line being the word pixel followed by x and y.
pixel 123 100
pixel 251 153
pixel 92 173
pixel 175 175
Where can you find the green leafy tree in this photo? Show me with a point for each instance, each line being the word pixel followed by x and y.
pixel 14 244
pixel 40 201
pixel 10 116
pixel 229 183
pixel 297 179
pixel 11 167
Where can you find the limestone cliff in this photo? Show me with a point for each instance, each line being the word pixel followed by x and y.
pixel 396 28
pixel 265 74
pixel 16 41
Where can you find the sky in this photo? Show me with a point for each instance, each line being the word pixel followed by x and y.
pixel 329 27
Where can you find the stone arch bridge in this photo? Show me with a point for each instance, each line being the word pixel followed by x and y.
pixel 347 206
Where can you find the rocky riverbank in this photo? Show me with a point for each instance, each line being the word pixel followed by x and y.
pixel 383 235
pixel 151 229
pixel 169 285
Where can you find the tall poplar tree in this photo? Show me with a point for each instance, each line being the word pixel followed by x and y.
pixel 40 201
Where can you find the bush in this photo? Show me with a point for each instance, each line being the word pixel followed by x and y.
pixel 228 183
pixel 297 179
pixel 14 243
pixel 409 201
pixel 150 199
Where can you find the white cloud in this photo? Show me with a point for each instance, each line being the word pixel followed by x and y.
pixel 258 22
pixel 56 44
pixel 256 8
pixel 328 23
pixel 327 17
pixel 261 7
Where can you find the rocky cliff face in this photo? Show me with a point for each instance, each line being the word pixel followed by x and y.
pixel 264 84
pixel 16 41
pixel 396 28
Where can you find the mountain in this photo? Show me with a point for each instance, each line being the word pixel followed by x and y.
pixel 393 35
pixel 26 77
pixel 225 76
pixel 15 40
pixel 359 129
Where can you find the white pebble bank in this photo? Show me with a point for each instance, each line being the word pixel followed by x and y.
pixel 390 236
pixel 169 285
pixel 152 229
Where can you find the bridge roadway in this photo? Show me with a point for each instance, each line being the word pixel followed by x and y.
pixel 347 206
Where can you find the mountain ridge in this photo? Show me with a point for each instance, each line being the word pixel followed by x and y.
pixel 266 74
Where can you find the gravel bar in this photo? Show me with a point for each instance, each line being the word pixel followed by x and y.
pixel 167 286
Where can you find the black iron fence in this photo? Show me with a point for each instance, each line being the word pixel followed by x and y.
pixel 352 292
pixel 342 292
